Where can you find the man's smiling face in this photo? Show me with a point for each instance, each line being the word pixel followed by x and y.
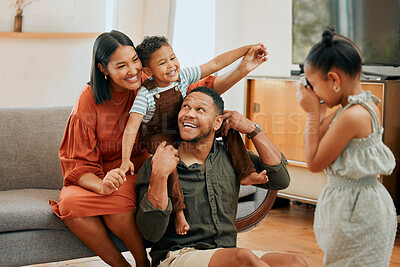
pixel 196 118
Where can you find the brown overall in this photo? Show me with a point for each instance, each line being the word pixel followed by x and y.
pixel 163 126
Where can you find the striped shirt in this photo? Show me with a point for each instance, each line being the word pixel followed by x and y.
pixel 144 102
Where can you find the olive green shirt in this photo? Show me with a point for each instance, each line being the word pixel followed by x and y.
pixel 211 199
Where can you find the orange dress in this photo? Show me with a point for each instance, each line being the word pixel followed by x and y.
pixel 92 143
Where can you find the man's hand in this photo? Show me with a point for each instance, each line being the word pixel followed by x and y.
pixel 113 180
pixel 235 120
pixel 165 160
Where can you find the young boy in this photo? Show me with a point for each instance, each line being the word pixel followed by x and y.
pixel 156 109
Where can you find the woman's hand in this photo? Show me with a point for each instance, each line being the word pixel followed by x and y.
pixel 113 180
pixel 307 99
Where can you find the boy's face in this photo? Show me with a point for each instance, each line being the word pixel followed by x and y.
pixel 163 66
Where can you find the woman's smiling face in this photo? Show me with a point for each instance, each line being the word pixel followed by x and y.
pixel 124 69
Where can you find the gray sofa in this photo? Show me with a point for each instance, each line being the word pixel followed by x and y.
pixel 30 175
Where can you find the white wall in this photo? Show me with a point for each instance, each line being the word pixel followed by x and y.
pixel 46 72
pixel 56 15
pixel 43 72
pixel 243 22
pixel 52 72
pixel 138 18
pixel 193 31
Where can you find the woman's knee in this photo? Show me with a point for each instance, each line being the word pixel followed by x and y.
pixel 71 201
pixel 119 222
pixel 85 225
pixel 120 218
pixel 68 205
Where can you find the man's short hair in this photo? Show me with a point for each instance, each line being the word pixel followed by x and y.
pixel 218 101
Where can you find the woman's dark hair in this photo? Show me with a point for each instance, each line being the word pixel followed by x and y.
pixel 104 46
pixel 335 51
pixel 217 99
pixel 149 45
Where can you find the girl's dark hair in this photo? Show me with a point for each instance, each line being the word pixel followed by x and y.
pixel 217 99
pixel 104 46
pixel 149 45
pixel 335 51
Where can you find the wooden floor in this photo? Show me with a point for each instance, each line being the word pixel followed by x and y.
pixel 289 230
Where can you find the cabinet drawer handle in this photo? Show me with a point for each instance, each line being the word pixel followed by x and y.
pixel 256 107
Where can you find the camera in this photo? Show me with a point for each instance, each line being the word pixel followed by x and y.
pixel 305 83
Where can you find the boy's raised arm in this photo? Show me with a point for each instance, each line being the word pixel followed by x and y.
pixel 253 58
pixel 225 59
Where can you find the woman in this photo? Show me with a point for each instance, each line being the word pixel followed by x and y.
pixel 96 192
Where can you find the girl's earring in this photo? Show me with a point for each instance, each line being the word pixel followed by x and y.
pixel 105 77
pixel 336 89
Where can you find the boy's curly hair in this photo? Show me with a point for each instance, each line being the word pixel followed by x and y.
pixel 150 45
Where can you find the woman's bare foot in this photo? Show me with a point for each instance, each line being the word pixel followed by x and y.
pixel 255 178
pixel 181 225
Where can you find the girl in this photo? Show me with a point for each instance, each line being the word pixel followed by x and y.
pixel 355 219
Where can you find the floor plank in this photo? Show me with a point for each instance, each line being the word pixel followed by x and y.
pixel 290 230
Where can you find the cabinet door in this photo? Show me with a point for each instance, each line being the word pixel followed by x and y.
pixel 273 104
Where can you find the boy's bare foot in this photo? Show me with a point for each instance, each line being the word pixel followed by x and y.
pixel 181 225
pixel 255 178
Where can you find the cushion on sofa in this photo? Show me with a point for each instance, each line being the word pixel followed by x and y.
pixel 246 190
pixel 28 209
pixel 29 141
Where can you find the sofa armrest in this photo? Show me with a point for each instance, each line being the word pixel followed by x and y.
pixel 252 208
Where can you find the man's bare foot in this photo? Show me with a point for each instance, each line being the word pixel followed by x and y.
pixel 255 178
pixel 181 225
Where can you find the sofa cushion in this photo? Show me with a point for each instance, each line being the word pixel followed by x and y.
pixel 27 209
pixel 246 190
pixel 29 141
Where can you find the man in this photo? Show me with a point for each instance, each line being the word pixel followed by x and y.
pixel 210 189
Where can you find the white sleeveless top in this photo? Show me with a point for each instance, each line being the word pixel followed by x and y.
pixel 363 156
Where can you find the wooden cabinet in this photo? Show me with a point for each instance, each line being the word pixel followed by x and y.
pixel 273 104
